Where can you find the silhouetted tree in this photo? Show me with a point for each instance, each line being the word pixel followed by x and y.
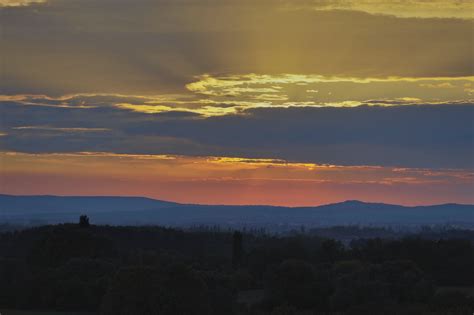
pixel 237 249
pixel 84 221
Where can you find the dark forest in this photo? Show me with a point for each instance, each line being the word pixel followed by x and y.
pixel 157 270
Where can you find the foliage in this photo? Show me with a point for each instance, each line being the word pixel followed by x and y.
pixel 156 270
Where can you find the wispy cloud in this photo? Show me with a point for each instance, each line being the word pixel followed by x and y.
pixel 316 90
pixel 60 129
pixel 403 132
pixel 405 8
pixel 19 3
pixel 231 180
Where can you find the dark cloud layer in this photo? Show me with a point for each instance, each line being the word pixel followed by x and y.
pixel 436 136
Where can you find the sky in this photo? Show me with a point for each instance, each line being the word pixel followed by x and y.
pixel 291 103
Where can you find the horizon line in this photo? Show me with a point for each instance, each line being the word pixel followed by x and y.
pixel 237 205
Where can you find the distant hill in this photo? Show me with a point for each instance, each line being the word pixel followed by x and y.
pixel 36 210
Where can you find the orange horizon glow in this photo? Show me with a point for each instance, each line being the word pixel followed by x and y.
pixel 227 180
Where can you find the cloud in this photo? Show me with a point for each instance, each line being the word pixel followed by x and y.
pixel 146 47
pixel 58 129
pixel 404 8
pixel 228 168
pixel 217 95
pixel 263 89
pixel 227 180
pixel 445 85
pixel 19 3
pixel 419 135
pixel 318 90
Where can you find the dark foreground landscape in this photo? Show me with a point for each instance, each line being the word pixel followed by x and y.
pixel 155 270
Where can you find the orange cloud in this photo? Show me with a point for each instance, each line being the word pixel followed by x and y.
pixel 219 180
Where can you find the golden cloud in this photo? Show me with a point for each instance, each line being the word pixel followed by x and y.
pixel 405 8
pixel 19 3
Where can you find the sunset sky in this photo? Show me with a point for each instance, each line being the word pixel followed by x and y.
pixel 301 102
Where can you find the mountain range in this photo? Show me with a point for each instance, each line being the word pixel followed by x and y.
pixel 38 210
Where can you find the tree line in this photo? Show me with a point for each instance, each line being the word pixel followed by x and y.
pixel 157 270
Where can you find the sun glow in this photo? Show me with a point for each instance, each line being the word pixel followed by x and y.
pixel 214 179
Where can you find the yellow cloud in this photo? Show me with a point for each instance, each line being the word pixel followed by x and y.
pixel 19 3
pixel 59 129
pixel 148 109
pixel 232 94
pixel 444 85
pixel 288 90
pixel 405 8
pixel 232 84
